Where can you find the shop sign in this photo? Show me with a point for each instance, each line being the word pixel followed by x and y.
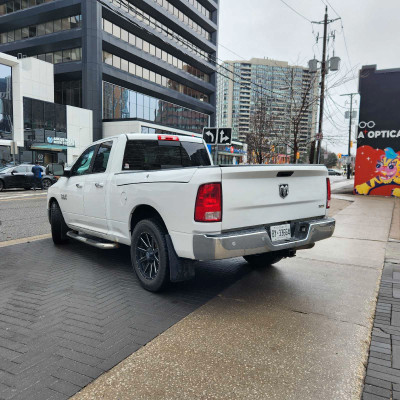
pixel 234 150
pixel 61 141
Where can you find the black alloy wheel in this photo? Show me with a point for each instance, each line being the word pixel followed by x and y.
pixel 149 254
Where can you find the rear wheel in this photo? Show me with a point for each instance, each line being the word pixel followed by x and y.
pixel 264 259
pixel 59 228
pixel 1 185
pixel 149 254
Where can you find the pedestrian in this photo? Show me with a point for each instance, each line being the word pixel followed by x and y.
pixel 37 176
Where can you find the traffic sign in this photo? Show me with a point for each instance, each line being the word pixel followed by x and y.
pixel 210 135
pixel 224 136
pixel 217 135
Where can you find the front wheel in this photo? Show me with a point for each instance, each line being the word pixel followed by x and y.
pixel 264 259
pixel 149 254
pixel 59 228
pixel 1 185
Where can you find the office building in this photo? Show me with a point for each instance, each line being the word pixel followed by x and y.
pixel 33 127
pixel 242 83
pixel 148 60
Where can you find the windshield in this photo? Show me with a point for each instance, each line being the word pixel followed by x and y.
pixel 154 154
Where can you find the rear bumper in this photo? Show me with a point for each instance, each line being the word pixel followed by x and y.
pixel 256 241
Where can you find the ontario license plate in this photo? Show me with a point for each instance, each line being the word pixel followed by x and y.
pixel 280 232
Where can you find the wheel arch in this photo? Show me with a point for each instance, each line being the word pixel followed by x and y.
pixel 144 211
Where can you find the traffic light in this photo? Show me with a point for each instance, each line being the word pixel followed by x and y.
pixel 351 144
pixel 339 155
pixel 297 155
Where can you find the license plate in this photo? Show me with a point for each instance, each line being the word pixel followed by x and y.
pixel 280 232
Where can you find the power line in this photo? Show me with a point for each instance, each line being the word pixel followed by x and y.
pixel 300 15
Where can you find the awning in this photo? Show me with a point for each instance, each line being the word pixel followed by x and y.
pixel 50 147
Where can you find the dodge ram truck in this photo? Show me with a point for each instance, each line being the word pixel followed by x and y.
pixel 162 196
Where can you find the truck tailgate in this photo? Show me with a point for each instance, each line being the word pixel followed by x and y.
pixel 251 194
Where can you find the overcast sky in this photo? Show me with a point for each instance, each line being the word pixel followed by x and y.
pixel 268 28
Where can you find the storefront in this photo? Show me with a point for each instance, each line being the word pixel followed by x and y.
pixel 234 154
pixel 45 132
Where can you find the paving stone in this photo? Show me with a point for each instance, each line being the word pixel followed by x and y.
pixel 370 396
pixel 69 314
pixel 377 391
pixel 378 382
pixel 395 318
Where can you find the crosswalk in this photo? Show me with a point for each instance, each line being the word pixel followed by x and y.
pixel 21 195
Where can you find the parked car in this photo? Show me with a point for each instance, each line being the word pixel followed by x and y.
pixel 334 172
pixel 21 176
pixel 161 195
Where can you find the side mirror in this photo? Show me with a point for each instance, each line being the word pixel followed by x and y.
pixel 67 173
pixel 13 172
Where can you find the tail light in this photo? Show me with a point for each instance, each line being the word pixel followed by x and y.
pixel 170 138
pixel 328 193
pixel 209 203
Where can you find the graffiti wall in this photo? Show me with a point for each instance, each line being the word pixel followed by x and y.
pixel 377 169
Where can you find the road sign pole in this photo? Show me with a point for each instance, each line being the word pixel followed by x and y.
pixel 216 147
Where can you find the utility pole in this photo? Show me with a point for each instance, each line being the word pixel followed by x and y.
pixel 322 98
pixel 350 120
pixel 322 95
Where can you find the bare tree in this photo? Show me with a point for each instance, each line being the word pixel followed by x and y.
pixel 259 139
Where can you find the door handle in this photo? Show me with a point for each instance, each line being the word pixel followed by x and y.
pixel 99 185
pixel 79 186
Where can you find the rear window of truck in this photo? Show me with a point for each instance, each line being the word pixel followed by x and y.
pixel 154 155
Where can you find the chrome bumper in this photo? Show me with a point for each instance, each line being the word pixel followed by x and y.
pixel 256 241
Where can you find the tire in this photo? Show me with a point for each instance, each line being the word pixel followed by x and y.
pixel 2 186
pixel 59 228
pixel 264 259
pixel 149 254
pixel 46 183
pixel 27 188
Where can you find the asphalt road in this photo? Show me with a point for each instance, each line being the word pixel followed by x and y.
pixel 22 214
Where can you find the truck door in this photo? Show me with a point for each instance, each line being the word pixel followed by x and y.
pixel 96 189
pixel 71 193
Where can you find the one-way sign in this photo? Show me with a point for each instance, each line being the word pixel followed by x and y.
pixel 217 135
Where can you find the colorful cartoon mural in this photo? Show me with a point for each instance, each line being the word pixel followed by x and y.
pixel 378 170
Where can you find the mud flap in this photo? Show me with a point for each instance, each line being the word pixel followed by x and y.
pixel 180 269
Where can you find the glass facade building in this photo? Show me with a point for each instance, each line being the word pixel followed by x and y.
pixel 160 52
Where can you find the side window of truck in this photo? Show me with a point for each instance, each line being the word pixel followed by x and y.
pixel 102 157
pixel 83 163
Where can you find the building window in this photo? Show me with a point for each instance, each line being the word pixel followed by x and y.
pixel 121 103
pixel 17 5
pixel 154 24
pixel 68 93
pixel 153 50
pixel 151 76
pixel 41 29
pixel 6 109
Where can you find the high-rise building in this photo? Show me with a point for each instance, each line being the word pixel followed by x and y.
pixel 241 84
pixel 151 61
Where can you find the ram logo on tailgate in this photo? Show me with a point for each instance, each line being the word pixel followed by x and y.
pixel 283 190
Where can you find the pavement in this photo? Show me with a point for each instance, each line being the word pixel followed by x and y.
pixel 23 214
pixel 382 379
pixel 298 330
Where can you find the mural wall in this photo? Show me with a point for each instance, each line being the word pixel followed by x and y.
pixel 377 169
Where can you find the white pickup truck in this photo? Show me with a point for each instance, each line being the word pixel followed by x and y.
pixel 161 195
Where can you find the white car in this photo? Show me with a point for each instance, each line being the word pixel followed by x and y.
pixel 161 195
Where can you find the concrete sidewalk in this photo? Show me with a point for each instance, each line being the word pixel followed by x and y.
pixel 298 330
